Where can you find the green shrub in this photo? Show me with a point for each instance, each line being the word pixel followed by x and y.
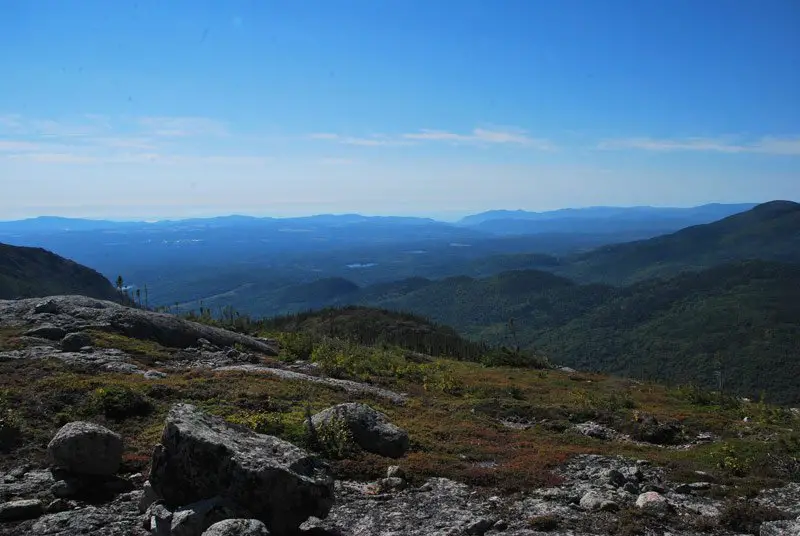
pixel 747 516
pixel 334 439
pixel 118 403
pixel 294 346
pixel 342 359
pixel 260 422
pixel 730 460
pixel 10 430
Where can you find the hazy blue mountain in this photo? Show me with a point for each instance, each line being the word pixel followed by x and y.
pixel 712 211
pixel 770 231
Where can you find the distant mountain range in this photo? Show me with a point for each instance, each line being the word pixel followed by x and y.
pixel 33 272
pixel 720 298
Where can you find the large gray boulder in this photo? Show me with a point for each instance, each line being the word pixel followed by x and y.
pixel 86 448
pixel 201 456
pixel 237 527
pixel 370 428
pixel 73 342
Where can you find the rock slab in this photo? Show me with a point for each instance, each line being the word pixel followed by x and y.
pixel 86 448
pixel 201 456
pixel 24 509
pixel 237 527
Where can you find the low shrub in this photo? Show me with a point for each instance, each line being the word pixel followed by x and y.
pixel 118 402
pixel 747 516
pixel 543 523
pixel 334 440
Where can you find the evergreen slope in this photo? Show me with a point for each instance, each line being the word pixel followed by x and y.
pixel 32 272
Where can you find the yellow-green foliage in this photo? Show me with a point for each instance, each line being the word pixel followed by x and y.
pixel 453 415
pixel 146 352
pixel 334 439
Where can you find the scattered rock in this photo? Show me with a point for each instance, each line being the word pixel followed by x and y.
pixel 479 527
pixel 201 456
pixel 500 525
pixel 58 505
pixel 86 448
pixel 595 430
pixel 194 519
pixel 74 342
pixel 66 488
pixel 395 471
pixel 46 307
pixel 390 484
pixel 371 429
pixel 155 375
pixel 237 527
pixel 653 502
pixel 592 500
pixel 647 428
pixel 47 331
pixel 149 496
pixel 614 478
pixel 158 519
pixel 780 528
pixel 23 509
pixel 631 488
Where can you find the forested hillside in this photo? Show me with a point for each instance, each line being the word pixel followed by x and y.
pixel 31 272
pixel 770 231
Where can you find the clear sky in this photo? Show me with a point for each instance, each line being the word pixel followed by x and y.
pixel 153 108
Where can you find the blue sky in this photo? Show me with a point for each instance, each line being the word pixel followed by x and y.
pixel 146 108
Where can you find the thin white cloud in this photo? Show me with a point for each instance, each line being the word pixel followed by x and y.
pixel 334 161
pixel 93 139
pixel 485 136
pixel 479 136
pixel 181 127
pixel 376 140
pixel 764 145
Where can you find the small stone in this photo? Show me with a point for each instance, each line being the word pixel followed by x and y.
pixel 148 497
pixel 592 500
pixel 427 486
pixel 65 488
pixel 653 487
pixel 700 486
pixel 613 477
pixel 609 506
pixel 391 484
pixel 654 502
pixel 395 471
pixel 58 505
pixel 500 525
pixel 24 509
pixel 683 489
pixel 631 488
pixel 195 518
pixel 155 375
pixel 479 528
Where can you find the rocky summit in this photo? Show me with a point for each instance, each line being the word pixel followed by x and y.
pixel 119 421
